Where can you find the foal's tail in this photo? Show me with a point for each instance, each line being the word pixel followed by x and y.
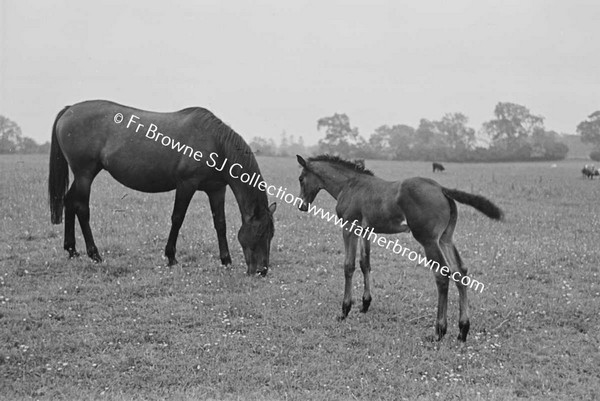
pixel 58 179
pixel 480 203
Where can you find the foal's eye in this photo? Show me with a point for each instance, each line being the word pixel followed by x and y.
pixel 301 179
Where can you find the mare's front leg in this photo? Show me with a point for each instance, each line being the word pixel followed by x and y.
pixel 217 206
pixel 183 195
pixel 350 242
pixel 365 266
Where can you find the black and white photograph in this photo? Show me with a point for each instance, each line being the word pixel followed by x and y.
pixel 299 200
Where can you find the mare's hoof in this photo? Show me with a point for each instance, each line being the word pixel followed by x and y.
pixel 441 332
pixel 261 273
pixel 172 262
pixel 365 305
pixel 226 260
pixel 73 254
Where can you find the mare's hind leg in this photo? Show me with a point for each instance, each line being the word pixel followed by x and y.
pixel 350 242
pixel 183 195
pixel 434 253
pixel 365 266
pixel 81 202
pixel 70 222
pixel 217 206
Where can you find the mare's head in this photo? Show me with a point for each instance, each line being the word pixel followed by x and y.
pixel 255 236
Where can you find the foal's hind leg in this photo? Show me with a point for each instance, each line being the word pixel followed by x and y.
pixel 183 195
pixel 217 206
pixel 457 269
pixel 81 201
pixel 434 253
pixel 350 242
pixel 365 266
pixel 463 320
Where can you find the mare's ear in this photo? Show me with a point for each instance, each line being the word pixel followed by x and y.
pixel 301 161
pixel 272 208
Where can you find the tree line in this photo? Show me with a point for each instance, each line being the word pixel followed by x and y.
pixel 590 133
pixel 13 141
pixel 514 134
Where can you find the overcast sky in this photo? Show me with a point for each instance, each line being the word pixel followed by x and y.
pixel 272 65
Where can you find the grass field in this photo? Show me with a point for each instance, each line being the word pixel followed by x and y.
pixel 131 328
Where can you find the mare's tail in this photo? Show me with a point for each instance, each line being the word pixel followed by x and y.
pixel 58 179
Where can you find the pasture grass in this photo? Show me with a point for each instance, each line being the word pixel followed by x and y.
pixel 131 328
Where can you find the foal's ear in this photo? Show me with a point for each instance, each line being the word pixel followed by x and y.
pixel 301 161
pixel 272 208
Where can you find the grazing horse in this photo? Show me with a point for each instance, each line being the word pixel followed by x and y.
pixel 438 167
pixel 191 156
pixel 590 171
pixel 419 205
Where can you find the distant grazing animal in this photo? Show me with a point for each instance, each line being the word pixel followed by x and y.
pixel 99 135
pixel 438 167
pixel 419 205
pixel 590 171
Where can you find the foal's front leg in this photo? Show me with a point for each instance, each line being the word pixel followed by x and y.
pixel 350 242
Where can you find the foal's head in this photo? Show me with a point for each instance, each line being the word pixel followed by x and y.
pixel 310 184
pixel 329 168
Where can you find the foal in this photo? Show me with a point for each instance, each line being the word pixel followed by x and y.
pixel 418 205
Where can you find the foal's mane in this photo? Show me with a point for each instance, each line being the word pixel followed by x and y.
pixel 341 162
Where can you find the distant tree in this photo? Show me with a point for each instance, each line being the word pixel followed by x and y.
pixel 545 145
pixel 430 144
pixel 340 137
pixel 261 146
pixel 28 145
pixel 10 136
pixel 296 147
pixel 459 137
pixel 426 133
pixel 284 144
pixel 590 129
pixel 392 142
pixel 512 126
pixel 44 147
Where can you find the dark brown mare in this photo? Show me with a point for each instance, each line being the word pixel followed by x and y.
pixel 418 205
pixel 131 145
